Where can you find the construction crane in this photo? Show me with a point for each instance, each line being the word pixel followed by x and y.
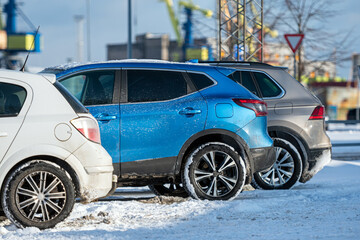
pixel 13 42
pixel 187 43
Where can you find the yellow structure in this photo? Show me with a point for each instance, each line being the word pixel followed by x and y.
pixel 20 42
pixel 198 53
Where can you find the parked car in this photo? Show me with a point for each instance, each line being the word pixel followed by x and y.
pixel 184 124
pixel 295 122
pixel 50 151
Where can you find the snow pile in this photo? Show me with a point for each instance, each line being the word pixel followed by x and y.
pixel 321 162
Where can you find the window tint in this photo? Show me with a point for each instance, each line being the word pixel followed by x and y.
pixel 245 79
pixel 235 76
pixel 267 87
pixel 200 80
pixel 92 88
pixel 248 82
pixel 147 85
pixel 12 98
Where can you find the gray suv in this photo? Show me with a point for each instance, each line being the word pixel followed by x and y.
pixel 295 122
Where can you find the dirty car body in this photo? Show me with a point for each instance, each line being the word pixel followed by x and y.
pixel 153 115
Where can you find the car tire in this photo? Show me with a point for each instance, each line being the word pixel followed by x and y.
pixel 214 171
pixel 169 189
pixel 39 195
pixel 286 170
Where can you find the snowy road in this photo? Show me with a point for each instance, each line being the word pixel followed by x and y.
pixel 327 207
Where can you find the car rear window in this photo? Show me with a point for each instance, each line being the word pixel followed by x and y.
pixel 12 98
pixel 74 103
pixel 267 87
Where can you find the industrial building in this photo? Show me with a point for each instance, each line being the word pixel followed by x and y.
pixel 159 46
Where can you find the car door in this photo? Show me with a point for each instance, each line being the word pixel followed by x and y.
pixel 98 91
pixel 160 111
pixel 15 99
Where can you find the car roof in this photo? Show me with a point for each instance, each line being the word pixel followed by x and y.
pixel 65 69
pixel 26 76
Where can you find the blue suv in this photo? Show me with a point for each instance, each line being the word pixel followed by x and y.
pixel 186 126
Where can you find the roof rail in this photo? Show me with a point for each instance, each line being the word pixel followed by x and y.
pixel 243 63
pixel 237 62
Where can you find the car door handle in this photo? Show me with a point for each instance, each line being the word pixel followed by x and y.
pixel 105 117
pixel 189 111
pixel 3 134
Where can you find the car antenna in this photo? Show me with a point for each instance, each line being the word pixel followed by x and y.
pixel 22 69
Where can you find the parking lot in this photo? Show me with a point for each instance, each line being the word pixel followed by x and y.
pixel 327 207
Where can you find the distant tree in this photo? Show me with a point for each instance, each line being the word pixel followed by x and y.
pixel 311 17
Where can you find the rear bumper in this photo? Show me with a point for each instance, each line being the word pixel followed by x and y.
pixel 318 158
pixel 263 158
pixel 94 169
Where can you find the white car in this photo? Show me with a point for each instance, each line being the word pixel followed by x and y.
pixel 50 151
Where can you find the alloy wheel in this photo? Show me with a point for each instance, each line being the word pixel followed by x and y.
pixel 282 170
pixel 40 196
pixel 216 173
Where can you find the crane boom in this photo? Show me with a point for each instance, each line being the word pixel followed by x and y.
pixel 174 20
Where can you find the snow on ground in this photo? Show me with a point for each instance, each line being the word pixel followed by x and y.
pixel 327 207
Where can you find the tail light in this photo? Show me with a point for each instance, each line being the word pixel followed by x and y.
pixel 258 106
pixel 87 127
pixel 318 113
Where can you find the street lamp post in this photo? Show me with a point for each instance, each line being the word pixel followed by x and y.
pixel 88 30
pixel 129 45
pixel 79 19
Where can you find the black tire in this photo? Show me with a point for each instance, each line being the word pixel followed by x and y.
pixel 214 171
pixel 38 195
pixel 286 170
pixel 170 189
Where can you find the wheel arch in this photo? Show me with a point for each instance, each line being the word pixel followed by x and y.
pixel 216 135
pixel 294 138
pixel 46 158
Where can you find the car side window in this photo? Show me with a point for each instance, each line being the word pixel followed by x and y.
pixel 92 88
pixel 248 82
pixel 201 81
pixel 151 85
pixel 267 86
pixel 12 98
pixel 75 85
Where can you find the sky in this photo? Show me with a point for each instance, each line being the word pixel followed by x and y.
pixel 108 25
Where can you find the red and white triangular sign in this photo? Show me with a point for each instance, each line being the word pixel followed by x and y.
pixel 294 40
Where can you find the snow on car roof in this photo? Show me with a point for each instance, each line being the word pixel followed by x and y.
pixel 67 66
